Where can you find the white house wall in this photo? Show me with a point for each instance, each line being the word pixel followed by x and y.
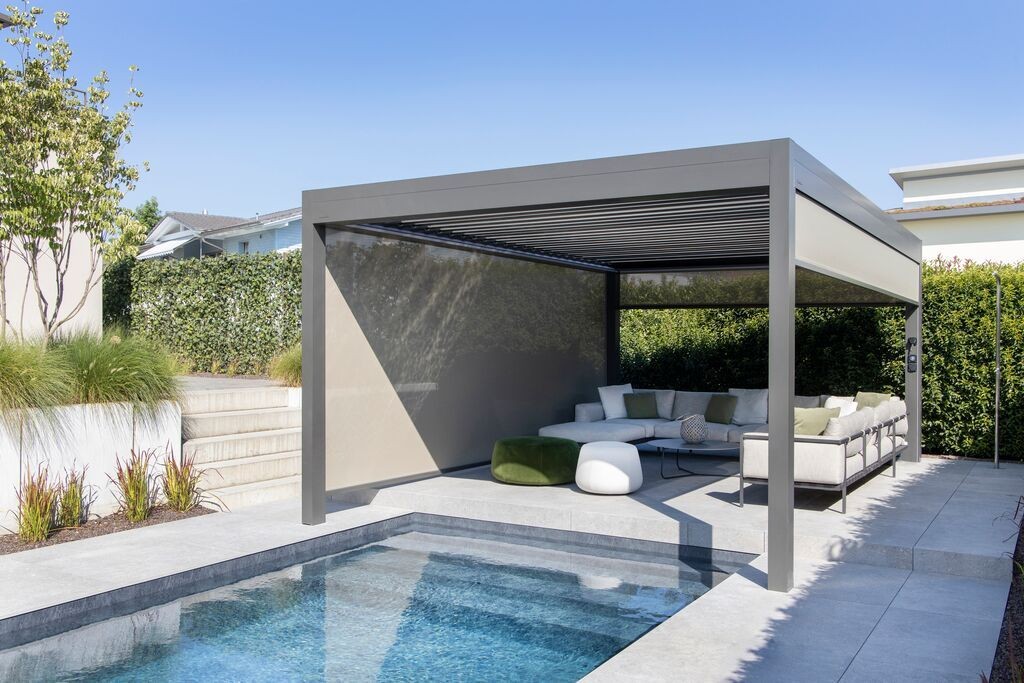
pixel 828 243
pixel 23 305
pixel 992 237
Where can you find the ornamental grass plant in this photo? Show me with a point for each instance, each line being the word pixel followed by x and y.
pixel 287 366
pixel 37 506
pixel 71 503
pixel 181 482
pixel 117 368
pixel 134 485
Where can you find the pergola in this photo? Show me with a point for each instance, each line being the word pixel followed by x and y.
pixel 764 207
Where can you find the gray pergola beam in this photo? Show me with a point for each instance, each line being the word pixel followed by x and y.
pixel 314 373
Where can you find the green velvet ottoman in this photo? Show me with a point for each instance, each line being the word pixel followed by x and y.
pixel 535 460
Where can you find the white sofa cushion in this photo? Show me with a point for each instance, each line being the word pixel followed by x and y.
pixel 846 404
pixel 736 432
pixel 855 424
pixel 665 398
pixel 611 400
pixel 751 406
pixel 587 432
pixel 647 424
pixel 589 412
pixel 718 431
pixel 688 403
pixel 814 461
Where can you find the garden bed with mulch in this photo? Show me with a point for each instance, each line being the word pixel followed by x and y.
pixel 111 524
pixel 1009 661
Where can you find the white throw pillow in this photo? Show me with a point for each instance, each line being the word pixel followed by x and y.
pixel 846 404
pixel 612 402
pixel 751 406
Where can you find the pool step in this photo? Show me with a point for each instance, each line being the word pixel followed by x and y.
pixel 255 493
pixel 223 423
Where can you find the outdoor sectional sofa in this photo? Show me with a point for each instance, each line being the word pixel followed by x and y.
pixel 591 424
pixel 851 448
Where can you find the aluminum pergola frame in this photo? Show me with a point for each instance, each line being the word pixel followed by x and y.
pixel 723 206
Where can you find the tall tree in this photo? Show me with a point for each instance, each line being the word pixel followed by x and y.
pixel 62 177
pixel 148 213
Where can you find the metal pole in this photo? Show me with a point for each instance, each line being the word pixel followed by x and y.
pixel 999 325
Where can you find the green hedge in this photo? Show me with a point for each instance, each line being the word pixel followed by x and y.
pixel 231 313
pixel 238 312
pixel 842 350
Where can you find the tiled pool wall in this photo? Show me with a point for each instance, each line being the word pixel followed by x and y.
pixel 711 566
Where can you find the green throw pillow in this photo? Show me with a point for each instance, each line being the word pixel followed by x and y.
pixel 720 409
pixel 641 406
pixel 812 421
pixel 868 399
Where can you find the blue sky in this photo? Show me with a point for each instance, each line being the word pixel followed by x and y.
pixel 249 103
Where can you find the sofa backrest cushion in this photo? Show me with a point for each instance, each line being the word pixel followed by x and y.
pixel 846 404
pixel 721 408
pixel 641 406
pixel 751 406
pixel 812 421
pixel 612 402
pixel 807 401
pixel 665 398
pixel 870 399
pixel 688 403
pixel 848 425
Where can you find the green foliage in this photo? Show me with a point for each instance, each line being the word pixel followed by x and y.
pixel 148 213
pixel 134 485
pixel 117 368
pixel 37 504
pixel 117 292
pixel 61 171
pixel 212 312
pixel 31 376
pixel 287 366
pixel 181 483
pixel 71 505
pixel 841 350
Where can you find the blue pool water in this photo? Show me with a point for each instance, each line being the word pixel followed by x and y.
pixel 417 606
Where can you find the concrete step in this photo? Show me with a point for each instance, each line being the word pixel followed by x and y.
pixel 211 449
pixel 222 423
pixel 244 495
pixel 252 469
pixel 221 400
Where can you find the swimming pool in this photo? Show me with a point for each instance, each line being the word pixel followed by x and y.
pixel 415 606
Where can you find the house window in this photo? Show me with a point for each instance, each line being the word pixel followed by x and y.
pixel 243 247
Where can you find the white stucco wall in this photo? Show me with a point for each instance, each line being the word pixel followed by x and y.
pixel 993 237
pixel 23 305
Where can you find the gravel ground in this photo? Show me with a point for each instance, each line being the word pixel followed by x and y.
pixel 1008 666
pixel 10 543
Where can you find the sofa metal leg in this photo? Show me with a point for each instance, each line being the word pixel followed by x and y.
pixel 742 486
pixel 844 497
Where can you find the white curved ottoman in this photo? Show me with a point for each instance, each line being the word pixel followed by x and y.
pixel 609 467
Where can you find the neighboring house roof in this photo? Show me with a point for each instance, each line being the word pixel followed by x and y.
pixel 258 222
pixel 953 211
pixel 166 247
pixel 966 166
pixel 202 222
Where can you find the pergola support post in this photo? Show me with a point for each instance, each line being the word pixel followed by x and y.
pixel 314 384
pixel 781 363
pixel 912 377
pixel 613 353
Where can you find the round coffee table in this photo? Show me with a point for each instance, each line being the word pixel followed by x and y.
pixel 722 449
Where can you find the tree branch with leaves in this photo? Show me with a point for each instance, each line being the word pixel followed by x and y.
pixel 62 176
